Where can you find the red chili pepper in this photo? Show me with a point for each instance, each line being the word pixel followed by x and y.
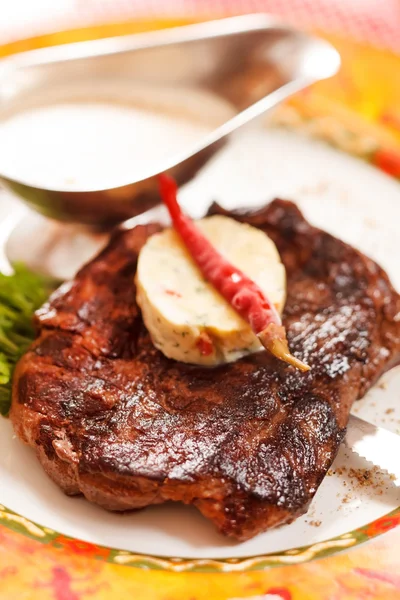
pixel 243 294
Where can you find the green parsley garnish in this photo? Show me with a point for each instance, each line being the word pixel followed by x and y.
pixel 20 295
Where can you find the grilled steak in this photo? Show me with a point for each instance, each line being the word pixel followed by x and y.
pixel 248 443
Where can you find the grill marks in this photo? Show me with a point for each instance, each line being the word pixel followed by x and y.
pixel 248 443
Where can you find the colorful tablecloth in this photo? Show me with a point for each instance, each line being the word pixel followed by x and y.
pixel 359 111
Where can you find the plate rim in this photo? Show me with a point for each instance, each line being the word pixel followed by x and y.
pixel 259 562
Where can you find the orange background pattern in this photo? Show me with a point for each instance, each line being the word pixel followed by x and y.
pixel 32 570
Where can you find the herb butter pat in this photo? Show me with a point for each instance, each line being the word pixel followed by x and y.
pixel 186 317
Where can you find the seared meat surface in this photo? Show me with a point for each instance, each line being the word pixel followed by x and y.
pixel 247 443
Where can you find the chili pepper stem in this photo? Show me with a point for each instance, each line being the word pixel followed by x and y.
pixel 273 338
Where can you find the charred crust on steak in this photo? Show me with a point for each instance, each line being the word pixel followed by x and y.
pixel 248 443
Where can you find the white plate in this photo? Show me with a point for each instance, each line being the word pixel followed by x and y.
pixel 344 196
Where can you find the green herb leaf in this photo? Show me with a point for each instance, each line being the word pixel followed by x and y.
pixel 20 295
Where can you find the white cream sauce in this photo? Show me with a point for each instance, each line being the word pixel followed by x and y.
pixel 92 144
pixel 103 134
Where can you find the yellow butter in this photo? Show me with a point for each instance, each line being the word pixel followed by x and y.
pixel 179 306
